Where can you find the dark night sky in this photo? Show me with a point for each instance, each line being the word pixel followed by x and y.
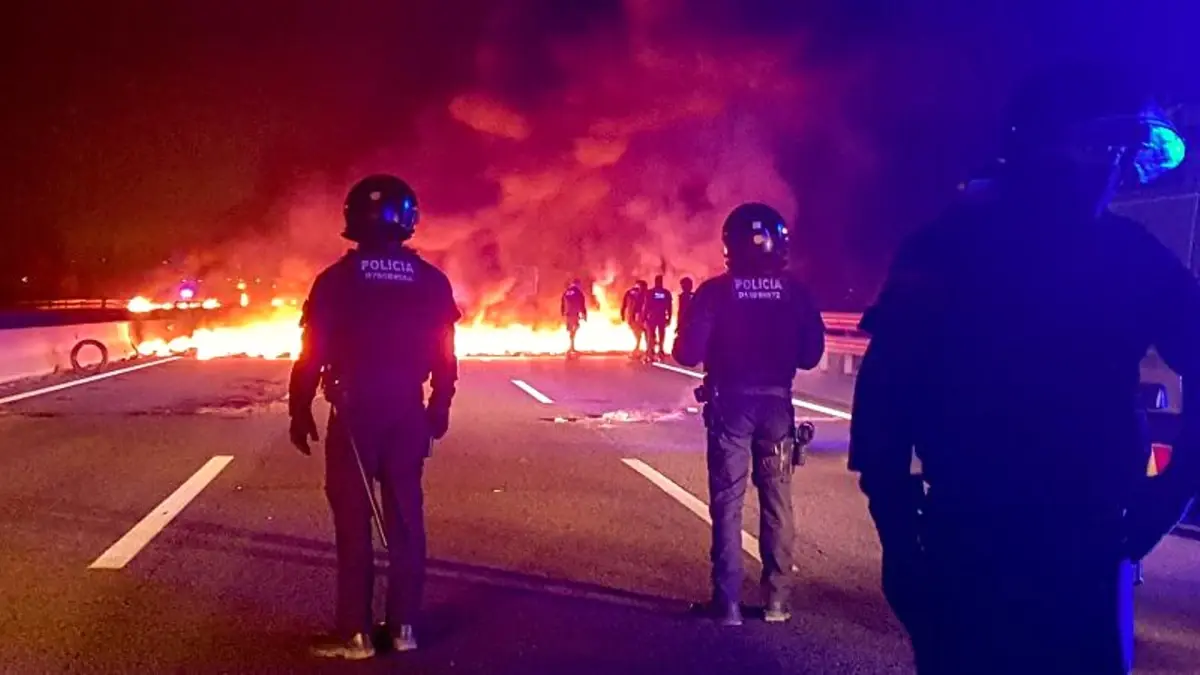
pixel 136 130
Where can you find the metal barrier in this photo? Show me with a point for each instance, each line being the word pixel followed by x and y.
pixel 841 321
pixel 78 303
pixel 842 335
pixel 853 346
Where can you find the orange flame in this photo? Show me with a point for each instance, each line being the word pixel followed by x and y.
pixel 278 336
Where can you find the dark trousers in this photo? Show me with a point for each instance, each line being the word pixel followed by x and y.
pixel 749 437
pixel 572 329
pixel 393 454
pixel 639 331
pixel 656 338
pixel 1007 601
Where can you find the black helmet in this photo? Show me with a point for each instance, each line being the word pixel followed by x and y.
pixel 755 238
pixel 686 283
pixel 1097 110
pixel 380 208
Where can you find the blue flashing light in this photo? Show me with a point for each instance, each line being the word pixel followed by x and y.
pixel 1163 151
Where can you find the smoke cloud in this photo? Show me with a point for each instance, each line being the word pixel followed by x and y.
pixel 609 150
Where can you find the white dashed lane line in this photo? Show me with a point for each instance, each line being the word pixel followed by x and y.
pixel 528 389
pixel 83 380
pixel 120 553
pixel 798 402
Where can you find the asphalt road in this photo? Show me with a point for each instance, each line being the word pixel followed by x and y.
pixel 561 536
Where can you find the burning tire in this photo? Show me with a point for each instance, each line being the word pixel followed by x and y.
pixel 79 346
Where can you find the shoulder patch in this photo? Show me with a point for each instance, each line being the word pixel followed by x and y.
pixel 387 269
pixel 758 288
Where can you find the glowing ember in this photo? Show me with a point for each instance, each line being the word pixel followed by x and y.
pixel 599 334
pixel 278 336
pixel 273 338
pixel 140 305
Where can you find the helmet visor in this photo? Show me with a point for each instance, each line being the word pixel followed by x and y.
pixel 405 214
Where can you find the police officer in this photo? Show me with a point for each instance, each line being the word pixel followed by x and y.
pixel 752 327
pixel 685 299
pixel 378 323
pixel 1004 350
pixel 657 313
pixel 633 307
pixel 574 310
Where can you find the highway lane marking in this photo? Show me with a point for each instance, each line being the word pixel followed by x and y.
pixel 798 402
pixel 690 502
pixel 528 389
pixel 120 553
pixel 83 380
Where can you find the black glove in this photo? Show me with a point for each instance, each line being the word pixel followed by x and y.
pixel 437 416
pixel 303 428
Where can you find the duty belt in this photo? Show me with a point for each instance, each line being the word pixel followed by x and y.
pixel 706 392
pixel 742 390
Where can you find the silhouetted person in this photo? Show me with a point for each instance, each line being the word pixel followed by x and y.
pixel 685 300
pixel 752 327
pixel 574 310
pixel 657 313
pixel 377 325
pixel 1018 558
pixel 633 307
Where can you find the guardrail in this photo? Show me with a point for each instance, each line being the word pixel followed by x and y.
pixel 842 335
pixel 78 303
pixel 841 321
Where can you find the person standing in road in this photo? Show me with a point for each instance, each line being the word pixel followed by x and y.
pixel 657 316
pixel 378 324
pixel 574 310
pixel 633 309
pixel 1011 552
pixel 752 328
pixel 685 300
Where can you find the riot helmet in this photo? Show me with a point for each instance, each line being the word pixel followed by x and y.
pixel 1091 117
pixel 380 208
pixel 755 237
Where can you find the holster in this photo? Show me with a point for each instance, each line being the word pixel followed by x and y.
pixel 802 435
pixel 332 389
pixel 706 396
pixel 782 461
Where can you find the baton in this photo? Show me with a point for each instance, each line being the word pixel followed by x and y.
pixel 376 512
